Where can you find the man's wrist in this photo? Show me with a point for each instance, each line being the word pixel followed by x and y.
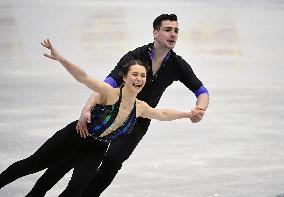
pixel 86 109
pixel 199 107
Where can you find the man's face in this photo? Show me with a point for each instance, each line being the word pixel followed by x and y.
pixel 167 35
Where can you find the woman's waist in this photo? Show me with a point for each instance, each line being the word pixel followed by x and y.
pixel 109 133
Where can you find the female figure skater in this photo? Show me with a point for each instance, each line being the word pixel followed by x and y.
pixel 113 117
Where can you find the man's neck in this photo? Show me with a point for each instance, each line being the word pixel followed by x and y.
pixel 160 52
pixel 159 55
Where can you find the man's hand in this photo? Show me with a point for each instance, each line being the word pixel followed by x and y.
pixel 85 117
pixel 81 127
pixel 197 114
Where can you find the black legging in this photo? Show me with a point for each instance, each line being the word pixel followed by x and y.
pixel 120 150
pixel 64 147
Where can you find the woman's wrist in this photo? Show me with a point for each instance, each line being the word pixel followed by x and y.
pixel 188 114
pixel 61 59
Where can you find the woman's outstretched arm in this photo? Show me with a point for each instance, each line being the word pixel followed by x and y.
pixel 78 73
pixel 161 114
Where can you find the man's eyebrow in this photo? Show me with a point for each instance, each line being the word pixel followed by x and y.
pixel 171 28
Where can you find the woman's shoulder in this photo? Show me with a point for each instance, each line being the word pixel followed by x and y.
pixel 140 103
pixel 141 106
pixel 113 98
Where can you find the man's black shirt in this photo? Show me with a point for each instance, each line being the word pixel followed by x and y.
pixel 173 69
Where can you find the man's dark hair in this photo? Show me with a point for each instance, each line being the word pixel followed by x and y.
pixel 158 21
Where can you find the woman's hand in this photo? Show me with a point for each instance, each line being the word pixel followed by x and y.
pixel 54 54
pixel 197 114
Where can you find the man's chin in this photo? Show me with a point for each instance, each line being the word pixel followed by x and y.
pixel 171 45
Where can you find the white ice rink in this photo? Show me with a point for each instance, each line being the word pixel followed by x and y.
pixel 235 47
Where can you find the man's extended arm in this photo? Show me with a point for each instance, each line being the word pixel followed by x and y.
pixel 203 100
pixel 189 79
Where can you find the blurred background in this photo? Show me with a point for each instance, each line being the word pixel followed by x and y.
pixel 235 48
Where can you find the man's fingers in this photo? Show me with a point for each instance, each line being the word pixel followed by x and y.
pixel 81 129
pixel 193 120
pixel 82 125
pixel 77 128
pixel 200 112
pixel 85 128
pixel 89 119
pixel 196 118
pixel 198 108
pixel 83 134
pixel 199 117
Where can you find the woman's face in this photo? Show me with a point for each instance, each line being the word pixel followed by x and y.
pixel 136 77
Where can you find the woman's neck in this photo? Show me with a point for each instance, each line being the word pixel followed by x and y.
pixel 128 96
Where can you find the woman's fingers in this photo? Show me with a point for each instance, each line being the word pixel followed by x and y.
pixel 49 43
pixel 49 56
pixel 43 44
pixel 46 55
pixel 46 43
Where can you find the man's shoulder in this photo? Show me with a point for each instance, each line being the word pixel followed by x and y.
pixel 177 59
pixel 140 52
pixel 142 48
pixel 175 55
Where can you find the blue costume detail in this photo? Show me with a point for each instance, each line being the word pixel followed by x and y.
pixel 102 117
pixel 201 90
pixel 111 82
